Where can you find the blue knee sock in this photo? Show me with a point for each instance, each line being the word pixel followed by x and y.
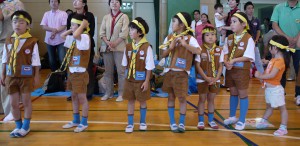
pixel 182 119
pixel 201 118
pixel 130 119
pixel 19 124
pixel 210 117
pixel 143 112
pixel 171 111
pixel 244 103
pixel 84 121
pixel 26 124
pixel 234 101
pixel 76 118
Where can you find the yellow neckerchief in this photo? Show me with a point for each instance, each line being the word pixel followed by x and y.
pixel 13 57
pixel 278 45
pixel 243 19
pixel 133 56
pixel 67 57
pixel 236 42
pixel 212 58
pixel 79 22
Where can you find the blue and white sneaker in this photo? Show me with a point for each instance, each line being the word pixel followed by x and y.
pixel 22 132
pixel 174 128
pixel 181 128
pixel 13 133
pixel 143 126
pixel 70 125
pixel 129 128
pixel 80 128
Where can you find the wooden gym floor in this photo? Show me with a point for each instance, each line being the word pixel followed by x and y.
pixel 107 121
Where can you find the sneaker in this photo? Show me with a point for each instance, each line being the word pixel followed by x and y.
pixel 213 125
pixel 262 124
pixel 298 100
pixel 8 118
pixel 22 132
pixel 200 125
pixel 105 97
pixel 174 128
pixel 70 125
pixel 240 125
pixel 230 120
pixel 228 89
pixel 119 99
pixel 13 133
pixel 80 128
pixel 143 126
pixel 280 132
pixel 181 128
pixel 129 128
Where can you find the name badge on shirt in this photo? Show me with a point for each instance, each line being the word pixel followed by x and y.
pixel 241 48
pixel 76 60
pixel 142 58
pixel 140 75
pixel 180 63
pixel 129 54
pixel 9 46
pixel 230 42
pixel 8 70
pixel 217 54
pixel 238 64
pixel 204 57
pixel 26 70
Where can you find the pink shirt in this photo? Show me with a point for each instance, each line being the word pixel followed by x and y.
pixel 198 32
pixel 54 20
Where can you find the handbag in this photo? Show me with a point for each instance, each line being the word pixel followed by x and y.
pixel 55 81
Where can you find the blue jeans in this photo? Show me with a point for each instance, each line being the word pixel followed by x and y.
pixel 54 53
pixel 296 59
pixel 258 62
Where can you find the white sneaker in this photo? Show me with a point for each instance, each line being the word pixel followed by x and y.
pixel 201 125
pixel 119 99
pixel 80 128
pixel 298 100
pixel 105 97
pixel 70 125
pixel 230 120
pixel 13 133
pixel 8 118
pixel 143 126
pixel 22 132
pixel 240 125
pixel 129 128
pixel 174 128
pixel 213 125
pixel 181 128
pixel 262 124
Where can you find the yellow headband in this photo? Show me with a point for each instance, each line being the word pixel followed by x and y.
pixel 140 26
pixel 206 30
pixel 243 19
pixel 21 17
pixel 181 17
pixel 278 45
pixel 79 22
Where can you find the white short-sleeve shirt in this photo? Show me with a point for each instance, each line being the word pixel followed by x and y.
pixel 218 22
pixel 193 42
pixel 83 44
pixel 35 59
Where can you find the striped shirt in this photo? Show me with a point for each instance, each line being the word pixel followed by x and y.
pixel 54 20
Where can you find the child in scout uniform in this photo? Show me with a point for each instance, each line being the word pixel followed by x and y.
pixel 77 58
pixel 138 59
pixel 274 92
pixel 20 62
pixel 239 53
pixel 208 69
pixel 179 49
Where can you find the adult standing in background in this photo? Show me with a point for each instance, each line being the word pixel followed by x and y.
pixel 54 22
pixel 196 20
pixel 7 7
pixel 255 29
pixel 286 21
pixel 81 7
pixel 114 32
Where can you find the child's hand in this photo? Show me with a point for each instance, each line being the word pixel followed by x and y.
pixel 257 74
pixel 182 41
pixel 36 81
pixel 145 86
pixel 173 44
pixel 3 81
pixel 213 81
pixel 228 65
pixel 208 79
pixel 85 23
